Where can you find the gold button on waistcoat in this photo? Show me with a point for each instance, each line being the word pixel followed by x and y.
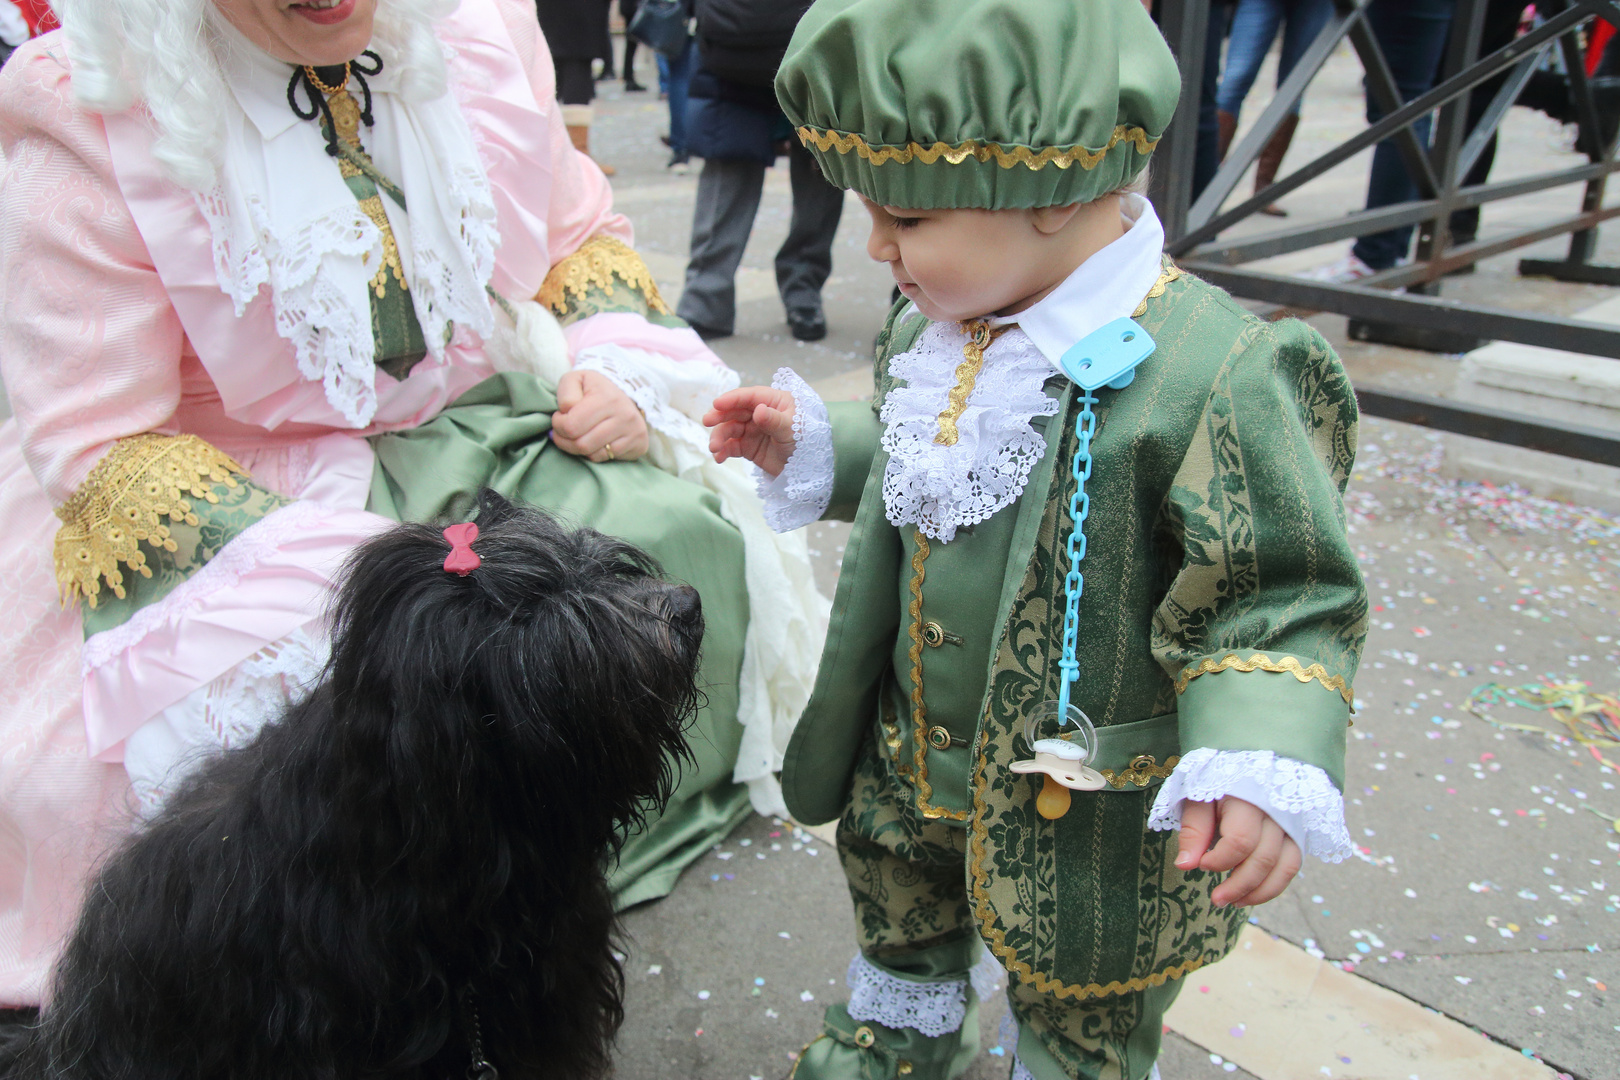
pixel 864 1037
pixel 933 635
pixel 904 1068
pixel 1143 761
pixel 939 738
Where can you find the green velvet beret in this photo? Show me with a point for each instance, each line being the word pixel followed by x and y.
pixel 931 104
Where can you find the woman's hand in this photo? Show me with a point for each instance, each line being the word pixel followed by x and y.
pixel 597 420
pixel 1262 858
pixel 754 422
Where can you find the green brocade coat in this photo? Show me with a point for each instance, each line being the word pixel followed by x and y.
pixel 1222 608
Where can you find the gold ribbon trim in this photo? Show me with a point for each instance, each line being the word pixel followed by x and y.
pixel 1262 662
pixel 598 262
pixel 1170 272
pixel 919 709
pixel 138 483
pixel 980 335
pixel 1143 769
pixel 1005 156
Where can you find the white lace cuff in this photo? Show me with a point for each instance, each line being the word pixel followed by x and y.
pixel 668 392
pixel 1299 797
pixel 933 1008
pixel 800 494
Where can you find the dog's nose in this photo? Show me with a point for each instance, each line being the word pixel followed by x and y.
pixel 685 606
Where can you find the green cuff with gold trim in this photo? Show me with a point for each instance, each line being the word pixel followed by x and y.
pixel 1250 700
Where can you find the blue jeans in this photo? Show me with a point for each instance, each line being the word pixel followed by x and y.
pixel 1412 34
pixel 1254 27
pixel 678 78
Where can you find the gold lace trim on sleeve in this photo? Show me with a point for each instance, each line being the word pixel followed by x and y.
pixel 124 500
pixel 595 265
pixel 1262 662
pixel 1006 156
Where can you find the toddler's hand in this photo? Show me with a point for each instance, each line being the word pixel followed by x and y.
pixel 1263 859
pixel 754 422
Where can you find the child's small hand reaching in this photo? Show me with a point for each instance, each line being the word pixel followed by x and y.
pixel 754 422
pixel 1263 859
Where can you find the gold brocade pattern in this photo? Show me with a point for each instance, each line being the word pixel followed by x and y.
pixel 124 500
pixel 1262 662
pixel 598 262
pixel 1006 157
pixel 1142 771
pixel 980 335
pixel 346 121
pixel 1170 272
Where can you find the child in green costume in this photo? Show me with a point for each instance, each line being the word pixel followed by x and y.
pixel 1196 455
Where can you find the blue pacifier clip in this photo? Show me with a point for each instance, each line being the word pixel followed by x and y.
pixel 1108 356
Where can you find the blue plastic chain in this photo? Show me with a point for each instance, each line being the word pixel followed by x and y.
pixel 1106 357
pixel 1085 425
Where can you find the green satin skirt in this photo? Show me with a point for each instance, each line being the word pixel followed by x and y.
pixel 497 435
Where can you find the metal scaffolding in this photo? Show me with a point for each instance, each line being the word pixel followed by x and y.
pixel 1402 304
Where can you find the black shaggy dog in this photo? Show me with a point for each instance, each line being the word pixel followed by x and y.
pixel 402 877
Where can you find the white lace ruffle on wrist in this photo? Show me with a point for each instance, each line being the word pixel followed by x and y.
pixel 669 392
pixel 1299 797
pixel 933 1008
pixel 800 493
pixel 941 488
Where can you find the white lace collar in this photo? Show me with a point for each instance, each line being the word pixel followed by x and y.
pixel 282 215
pixel 940 488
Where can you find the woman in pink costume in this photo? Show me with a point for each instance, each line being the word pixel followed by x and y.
pixel 273 274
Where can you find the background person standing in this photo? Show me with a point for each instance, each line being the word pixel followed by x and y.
pixel 576 33
pixel 734 124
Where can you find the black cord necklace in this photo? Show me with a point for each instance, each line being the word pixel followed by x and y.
pixel 318 82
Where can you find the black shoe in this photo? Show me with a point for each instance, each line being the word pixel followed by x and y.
pixel 708 333
pixel 807 323
pixel 631 86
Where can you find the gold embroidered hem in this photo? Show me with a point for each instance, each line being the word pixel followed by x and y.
pixel 1262 662
pixel 138 483
pixel 1005 156
pixel 1170 272
pixel 602 263
pixel 1143 770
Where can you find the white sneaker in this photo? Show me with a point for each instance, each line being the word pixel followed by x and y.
pixel 1344 271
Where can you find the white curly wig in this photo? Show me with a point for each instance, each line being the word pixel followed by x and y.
pixel 169 56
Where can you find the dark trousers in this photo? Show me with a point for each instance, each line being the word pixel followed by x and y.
pixel 574 83
pixel 727 200
pixel 1412 34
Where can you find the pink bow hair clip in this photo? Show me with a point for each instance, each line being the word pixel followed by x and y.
pixel 462 559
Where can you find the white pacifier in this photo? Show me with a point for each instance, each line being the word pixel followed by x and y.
pixel 1062 761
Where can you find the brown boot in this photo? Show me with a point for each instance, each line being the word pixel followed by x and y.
pixel 1265 167
pixel 577 118
pixel 1226 127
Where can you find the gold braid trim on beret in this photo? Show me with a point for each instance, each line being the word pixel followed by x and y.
pixel 139 482
pixel 1006 157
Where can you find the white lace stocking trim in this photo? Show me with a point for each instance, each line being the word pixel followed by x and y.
pixel 221 572
pixel 933 1008
pixel 1299 797
pixel 940 488
pixel 800 493
pixel 221 715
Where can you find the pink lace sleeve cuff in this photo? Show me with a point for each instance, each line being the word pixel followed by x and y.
pixel 800 494
pixel 1299 797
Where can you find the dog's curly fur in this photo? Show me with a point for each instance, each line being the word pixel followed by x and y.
pixel 423 836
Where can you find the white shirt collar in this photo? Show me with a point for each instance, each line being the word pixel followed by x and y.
pixel 258 80
pixel 1105 287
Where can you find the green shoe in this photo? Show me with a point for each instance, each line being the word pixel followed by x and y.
pixel 851 1050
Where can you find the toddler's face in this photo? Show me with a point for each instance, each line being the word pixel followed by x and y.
pixel 962 264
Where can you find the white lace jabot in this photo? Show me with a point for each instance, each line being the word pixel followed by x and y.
pixel 282 215
pixel 941 488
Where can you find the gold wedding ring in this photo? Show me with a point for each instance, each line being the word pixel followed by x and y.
pixel 611 457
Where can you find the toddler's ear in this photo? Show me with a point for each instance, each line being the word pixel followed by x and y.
pixel 1050 220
